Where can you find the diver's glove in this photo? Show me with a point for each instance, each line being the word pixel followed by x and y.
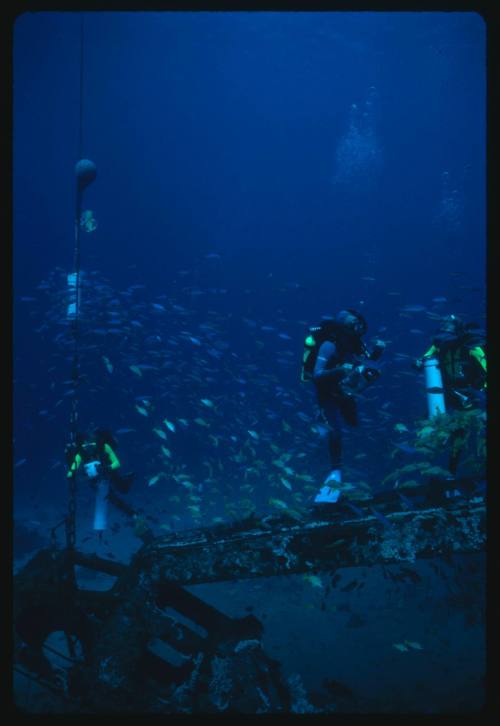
pixel 345 368
pixel 418 364
pixel 92 469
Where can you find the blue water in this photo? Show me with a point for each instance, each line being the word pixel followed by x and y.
pixel 254 169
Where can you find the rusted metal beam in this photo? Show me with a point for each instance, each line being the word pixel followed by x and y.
pixel 93 562
pixel 273 546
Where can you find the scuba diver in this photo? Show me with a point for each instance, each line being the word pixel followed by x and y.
pixel 96 452
pixel 462 362
pixel 340 365
pixel 456 372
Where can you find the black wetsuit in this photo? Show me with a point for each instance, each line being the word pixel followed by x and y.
pixel 335 406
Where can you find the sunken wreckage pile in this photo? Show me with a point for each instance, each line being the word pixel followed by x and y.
pixel 115 637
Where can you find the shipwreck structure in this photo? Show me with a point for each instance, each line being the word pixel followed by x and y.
pixel 149 645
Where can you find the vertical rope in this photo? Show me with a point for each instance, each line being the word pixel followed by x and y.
pixel 80 144
pixel 75 322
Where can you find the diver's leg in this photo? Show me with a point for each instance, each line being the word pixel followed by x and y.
pixel 456 443
pixel 120 504
pixel 142 530
pixel 335 437
pixel 349 410
pixel 331 414
pixel 121 482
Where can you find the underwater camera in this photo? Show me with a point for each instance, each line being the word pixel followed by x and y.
pixel 358 379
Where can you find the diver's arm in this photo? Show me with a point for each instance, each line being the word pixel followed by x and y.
pixel 326 352
pixel 432 352
pixel 74 466
pixel 480 356
pixel 114 461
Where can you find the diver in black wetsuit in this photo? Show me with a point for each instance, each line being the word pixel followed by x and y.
pixel 340 366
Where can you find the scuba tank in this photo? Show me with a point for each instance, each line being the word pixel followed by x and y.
pixel 434 387
pixel 317 334
pixel 98 469
pixel 101 505
pixel 92 469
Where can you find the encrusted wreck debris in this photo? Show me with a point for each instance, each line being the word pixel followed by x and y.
pixel 140 646
pixel 274 546
pixel 149 645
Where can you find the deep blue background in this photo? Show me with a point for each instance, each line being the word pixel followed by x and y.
pixel 218 132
